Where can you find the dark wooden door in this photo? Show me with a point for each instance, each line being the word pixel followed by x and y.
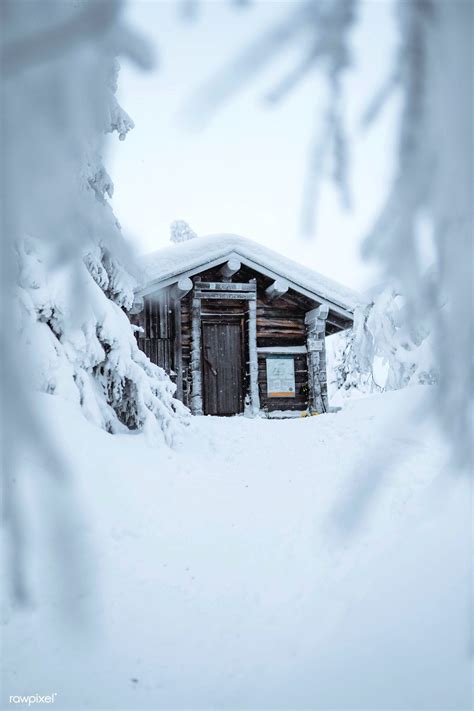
pixel 222 368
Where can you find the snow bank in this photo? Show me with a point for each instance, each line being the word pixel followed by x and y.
pixel 86 352
pixel 315 563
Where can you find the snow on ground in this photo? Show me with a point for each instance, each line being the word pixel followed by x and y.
pixel 318 563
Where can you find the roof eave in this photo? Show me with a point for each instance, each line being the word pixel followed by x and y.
pixel 172 278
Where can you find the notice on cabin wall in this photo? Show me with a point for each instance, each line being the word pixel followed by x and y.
pixel 280 377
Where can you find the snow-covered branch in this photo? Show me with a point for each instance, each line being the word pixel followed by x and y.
pixel 65 284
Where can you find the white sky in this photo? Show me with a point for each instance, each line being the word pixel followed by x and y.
pixel 244 172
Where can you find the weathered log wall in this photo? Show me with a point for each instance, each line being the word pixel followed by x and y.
pixel 300 401
pixel 157 322
pixel 280 323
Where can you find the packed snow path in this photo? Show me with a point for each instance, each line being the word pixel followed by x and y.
pixel 260 564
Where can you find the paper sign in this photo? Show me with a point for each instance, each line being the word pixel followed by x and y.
pixel 280 377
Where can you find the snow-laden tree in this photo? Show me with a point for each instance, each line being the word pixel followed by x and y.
pixel 91 358
pixel 90 336
pixel 66 284
pixel 380 352
pixel 180 231
pixel 430 199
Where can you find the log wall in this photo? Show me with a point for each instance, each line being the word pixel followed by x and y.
pixel 157 338
pixel 279 323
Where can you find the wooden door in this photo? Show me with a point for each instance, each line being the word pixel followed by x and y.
pixel 222 368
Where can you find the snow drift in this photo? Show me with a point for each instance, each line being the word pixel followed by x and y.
pixel 249 569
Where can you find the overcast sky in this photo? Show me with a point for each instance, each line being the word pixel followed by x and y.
pixel 244 172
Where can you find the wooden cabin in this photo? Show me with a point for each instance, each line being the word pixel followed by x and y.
pixel 239 327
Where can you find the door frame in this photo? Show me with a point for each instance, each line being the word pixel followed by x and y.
pixel 212 290
pixel 223 320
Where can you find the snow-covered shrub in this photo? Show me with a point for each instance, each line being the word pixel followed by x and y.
pixel 180 231
pixel 344 372
pixel 94 361
pixel 380 352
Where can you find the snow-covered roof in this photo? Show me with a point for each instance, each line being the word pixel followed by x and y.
pixel 167 265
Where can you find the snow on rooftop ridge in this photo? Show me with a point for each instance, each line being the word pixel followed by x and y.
pixel 170 261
